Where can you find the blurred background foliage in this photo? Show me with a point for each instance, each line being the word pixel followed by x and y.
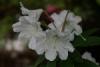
pixel 10 11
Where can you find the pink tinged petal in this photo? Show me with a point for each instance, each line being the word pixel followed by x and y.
pixel 69 47
pixel 50 54
pixel 63 53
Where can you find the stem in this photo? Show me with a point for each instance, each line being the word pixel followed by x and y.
pixel 54 25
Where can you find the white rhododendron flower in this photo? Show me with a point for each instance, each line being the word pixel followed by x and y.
pixel 71 22
pixel 28 26
pixel 89 57
pixel 34 15
pixel 51 42
pixel 52 45
pixel 27 29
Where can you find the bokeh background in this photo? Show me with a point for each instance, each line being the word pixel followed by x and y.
pixel 19 55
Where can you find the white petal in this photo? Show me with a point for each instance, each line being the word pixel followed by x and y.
pixel 16 27
pixel 40 48
pixel 71 36
pixel 32 43
pixel 63 53
pixel 24 36
pixel 62 16
pixel 26 20
pixel 36 44
pixel 23 9
pixel 73 19
pixel 30 19
pixel 69 47
pixel 78 29
pixel 51 26
pixel 78 19
pixel 36 14
pixel 70 17
pixel 89 57
pixel 50 54
pixel 59 19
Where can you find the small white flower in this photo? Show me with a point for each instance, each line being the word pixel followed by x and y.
pixel 34 14
pixel 28 26
pixel 52 45
pixel 89 57
pixel 71 24
pixel 27 29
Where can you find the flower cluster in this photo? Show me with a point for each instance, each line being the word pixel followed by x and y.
pixel 56 39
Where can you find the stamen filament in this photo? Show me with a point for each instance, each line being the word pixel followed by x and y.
pixel 83 37
pixel 64 24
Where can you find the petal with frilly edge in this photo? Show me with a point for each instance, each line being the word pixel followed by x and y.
pixel 58 19
pixel 69 47
pixel 51 54
pixel 63 53
pixel 33 13
pixel 88 56
pixel 38 47
pixel 32 43
pixel 16 27
pixel 72 18
pixel 24 36
pixel 78 29
pixel 24 10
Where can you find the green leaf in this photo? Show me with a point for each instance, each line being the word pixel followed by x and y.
pixel 90 32
pixel 67 63
pixel 85 63
pixel 90 41
pixel 5 26
pixel 51 64
pixel 38 61
pixel 98 2
pixel 75 60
